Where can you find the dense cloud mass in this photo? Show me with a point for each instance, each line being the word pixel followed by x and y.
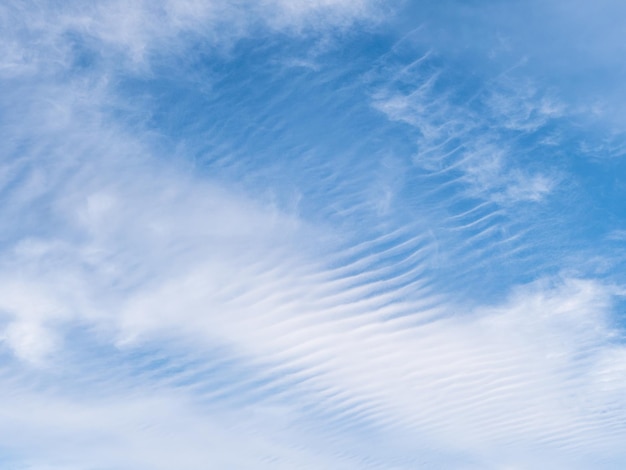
pixel 320 234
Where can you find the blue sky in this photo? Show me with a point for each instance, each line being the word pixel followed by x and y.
pixel 336 234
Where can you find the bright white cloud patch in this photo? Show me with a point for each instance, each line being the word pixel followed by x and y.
pixel 302 235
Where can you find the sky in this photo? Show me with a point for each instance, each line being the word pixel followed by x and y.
pixel 312 234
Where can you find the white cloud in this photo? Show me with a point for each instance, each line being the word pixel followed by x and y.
pixel 148 429
pixel 159 254
pixel 30 341
pixel 470 144
pixel 538 369
pixel 42 37
pixel 111 237
pixel 144 252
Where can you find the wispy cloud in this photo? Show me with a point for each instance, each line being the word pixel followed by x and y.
pixel 293 253
pixel 129 34
pixel 470 140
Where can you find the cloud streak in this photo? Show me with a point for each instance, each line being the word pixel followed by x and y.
pixel 216 257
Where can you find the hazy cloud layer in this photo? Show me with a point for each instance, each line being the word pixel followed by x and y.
pixel 320 234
